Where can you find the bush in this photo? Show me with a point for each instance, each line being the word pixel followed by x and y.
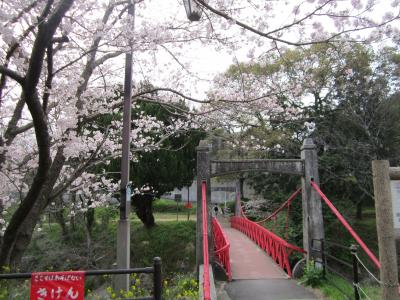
pixel 181 288
pixel 231 206
pixel 313 275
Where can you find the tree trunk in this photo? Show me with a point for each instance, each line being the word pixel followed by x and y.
pixel 13 251
pixel 59 216
pixel 143 205
pixel 89 215
pixel 19 231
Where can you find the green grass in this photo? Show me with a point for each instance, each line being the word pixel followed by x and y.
pixel 173 241
pixel 335 288
pixel 169 217
pixel 166 205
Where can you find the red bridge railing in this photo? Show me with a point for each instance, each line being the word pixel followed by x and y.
pixel 206 262
pixel 276 247
pixel 221 247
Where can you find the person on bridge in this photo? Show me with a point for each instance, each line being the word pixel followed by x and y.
pixel 216 210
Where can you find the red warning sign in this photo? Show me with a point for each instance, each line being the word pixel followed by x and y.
pixel 58 286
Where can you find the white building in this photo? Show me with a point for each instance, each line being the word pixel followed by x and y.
pixel 221 190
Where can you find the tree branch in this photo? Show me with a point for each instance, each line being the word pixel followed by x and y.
pixel 12 74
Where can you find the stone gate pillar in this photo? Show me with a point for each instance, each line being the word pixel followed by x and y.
pixel 313 226
pixel 203 174
pixel 237 199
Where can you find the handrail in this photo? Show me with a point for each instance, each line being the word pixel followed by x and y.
pixel 206 279
pixel 275 246
pixel 221 245
pixel 346 225
pixel 284 204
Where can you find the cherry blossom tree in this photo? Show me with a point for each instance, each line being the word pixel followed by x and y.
pixel 60 67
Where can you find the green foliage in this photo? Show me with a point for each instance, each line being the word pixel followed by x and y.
pixel 136 290
pixel 181 287
pixel 313 275
pixel 106 214
pixel 14 289
pixel 173 241
pixel 231 206
pixel 171 167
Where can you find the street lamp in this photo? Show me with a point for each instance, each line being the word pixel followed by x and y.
pixel 123 234
pixel 193 10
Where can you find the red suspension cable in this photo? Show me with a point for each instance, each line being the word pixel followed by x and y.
pixel 346 225
pixel 284 204
pixel 206 274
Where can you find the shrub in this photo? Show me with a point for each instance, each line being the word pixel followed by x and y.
pixel 313 275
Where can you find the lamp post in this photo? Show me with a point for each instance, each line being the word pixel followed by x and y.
pixel 123 235
pixel 193 10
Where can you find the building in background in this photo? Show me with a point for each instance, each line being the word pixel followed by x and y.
pixel 221 190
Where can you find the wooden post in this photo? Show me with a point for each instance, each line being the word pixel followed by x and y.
pixel 203 174
pixel 313 225
pixel 384 226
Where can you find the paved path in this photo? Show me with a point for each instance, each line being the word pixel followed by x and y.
pixel 248 261
pixel 255 275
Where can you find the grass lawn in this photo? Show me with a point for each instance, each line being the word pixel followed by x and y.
pixel 336 288
pixel 167 217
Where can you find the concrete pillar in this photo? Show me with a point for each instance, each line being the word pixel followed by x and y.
pixel 385 230
pixel 241 187
pixel 203 174
pixel 237 199
pixel 123 255
pixel 313 225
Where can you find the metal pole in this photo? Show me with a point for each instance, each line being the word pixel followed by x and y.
pixel 157 279
pixel 353 250
pixel 188 194
pixel 123 235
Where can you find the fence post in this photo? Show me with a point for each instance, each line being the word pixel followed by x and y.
pixel 385 230
pixel 157 278
pixel 353 250
pixel 323 257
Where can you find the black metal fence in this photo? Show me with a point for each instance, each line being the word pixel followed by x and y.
pixel 347 268
pixel 155 270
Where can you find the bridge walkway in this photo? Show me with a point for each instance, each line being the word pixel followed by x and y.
pixel 255 275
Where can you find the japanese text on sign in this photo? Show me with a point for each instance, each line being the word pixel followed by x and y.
pixel 58 286
pixel 395 187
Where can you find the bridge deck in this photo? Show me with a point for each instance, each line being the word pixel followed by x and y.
pixel 255 275
pixel 248 261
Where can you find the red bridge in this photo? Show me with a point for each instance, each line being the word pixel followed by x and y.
pixel 255 258
pixel 257 261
